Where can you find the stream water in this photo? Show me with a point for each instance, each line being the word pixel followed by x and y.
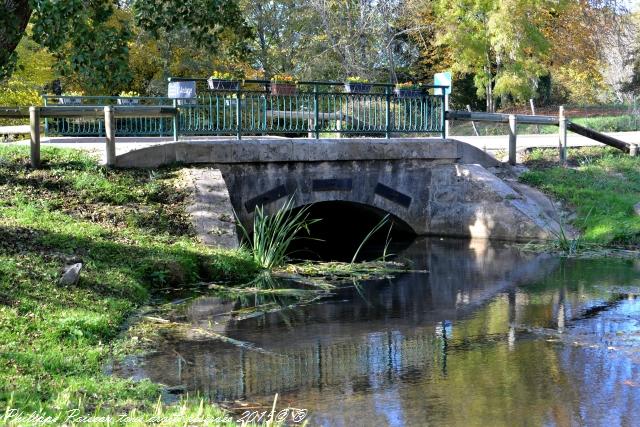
pixel 487 335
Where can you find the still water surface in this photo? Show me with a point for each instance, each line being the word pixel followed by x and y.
pixel 488 336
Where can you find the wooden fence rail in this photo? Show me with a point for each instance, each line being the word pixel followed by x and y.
pixel 563 123
pixel 110 113
pixel 501 118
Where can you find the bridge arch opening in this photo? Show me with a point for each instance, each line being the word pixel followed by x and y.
pixel 343 226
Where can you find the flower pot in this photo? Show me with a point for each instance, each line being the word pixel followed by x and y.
pixel 286 89
pixel 128 101
pixel 187 101
pixel 357 87
pixel 223 85
pixel 70 101
pixel 408 93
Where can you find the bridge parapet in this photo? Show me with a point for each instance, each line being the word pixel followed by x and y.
pixel 229 151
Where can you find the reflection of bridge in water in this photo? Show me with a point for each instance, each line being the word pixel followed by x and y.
pixel 396 331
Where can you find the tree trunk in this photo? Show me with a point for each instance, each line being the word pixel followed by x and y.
pixel 491 103
pixel 14 17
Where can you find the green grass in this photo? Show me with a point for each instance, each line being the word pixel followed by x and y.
pixel 602 185
pixel 130 230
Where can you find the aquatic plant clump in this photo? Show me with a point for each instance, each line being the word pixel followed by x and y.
pixel 273 234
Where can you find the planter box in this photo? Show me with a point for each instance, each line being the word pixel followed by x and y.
pixel 128 101
pixel 71 101
pixel 408 93
pixel 223 85
pixel 283 89
pixel 357 87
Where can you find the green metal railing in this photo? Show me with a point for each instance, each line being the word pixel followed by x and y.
pixel 94 126
pixel 255 108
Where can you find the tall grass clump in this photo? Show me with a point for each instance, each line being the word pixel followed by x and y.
pixel 373 231
pixel 273 234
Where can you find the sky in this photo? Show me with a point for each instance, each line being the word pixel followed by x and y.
pixel 633 5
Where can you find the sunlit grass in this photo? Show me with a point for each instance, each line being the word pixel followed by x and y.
pixel 55 339
pixel 602 188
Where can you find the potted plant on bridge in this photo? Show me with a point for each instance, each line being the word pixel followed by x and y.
pixel 357 85
pixel 71 98
pixel 283 84
pixel 408 90
pixel 129 98
pixel 222 81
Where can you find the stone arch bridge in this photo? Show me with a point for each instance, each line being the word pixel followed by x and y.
pixel 430 186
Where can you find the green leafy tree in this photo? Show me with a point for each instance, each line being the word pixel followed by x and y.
pixel 90 38
pixel 33 71
pixel 500 42
pixel 158 52
pixel 284 35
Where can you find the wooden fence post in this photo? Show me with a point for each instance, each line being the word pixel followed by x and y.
pixel 110 132
pixel 513 133
pixel 34 122
pixel 562 137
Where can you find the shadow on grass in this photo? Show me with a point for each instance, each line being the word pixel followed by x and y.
pixel 108 262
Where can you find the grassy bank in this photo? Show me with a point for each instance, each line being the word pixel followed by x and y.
pixel 129 230
pixel 601 185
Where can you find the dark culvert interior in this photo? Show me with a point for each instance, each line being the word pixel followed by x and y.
pixel 342 228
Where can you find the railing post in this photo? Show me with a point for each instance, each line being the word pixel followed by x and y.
pixel 562 136
pixel 316 113
pixel 513 133
pixel 444 120
pixel 387 93
pixel 239 114
pixel 444 115
pixel 34 121
pixel 110 131
pixel 46 119
pixel 175 121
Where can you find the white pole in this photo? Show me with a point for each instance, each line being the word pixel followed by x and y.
pixel 513 132
pixel 446 108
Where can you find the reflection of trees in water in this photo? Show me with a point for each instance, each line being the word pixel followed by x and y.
pixel 449 347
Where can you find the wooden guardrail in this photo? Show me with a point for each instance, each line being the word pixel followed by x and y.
pixel 110 113
pixel 501 118
pixel 600 137
pixel 563 123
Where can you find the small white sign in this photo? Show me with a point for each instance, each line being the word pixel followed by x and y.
pixel 442 79
pixel 182 90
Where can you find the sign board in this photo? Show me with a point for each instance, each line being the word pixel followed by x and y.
pixel 182 90
pixel 442 79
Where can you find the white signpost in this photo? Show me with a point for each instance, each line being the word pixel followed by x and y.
pixel 443 79
pixel 183 91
